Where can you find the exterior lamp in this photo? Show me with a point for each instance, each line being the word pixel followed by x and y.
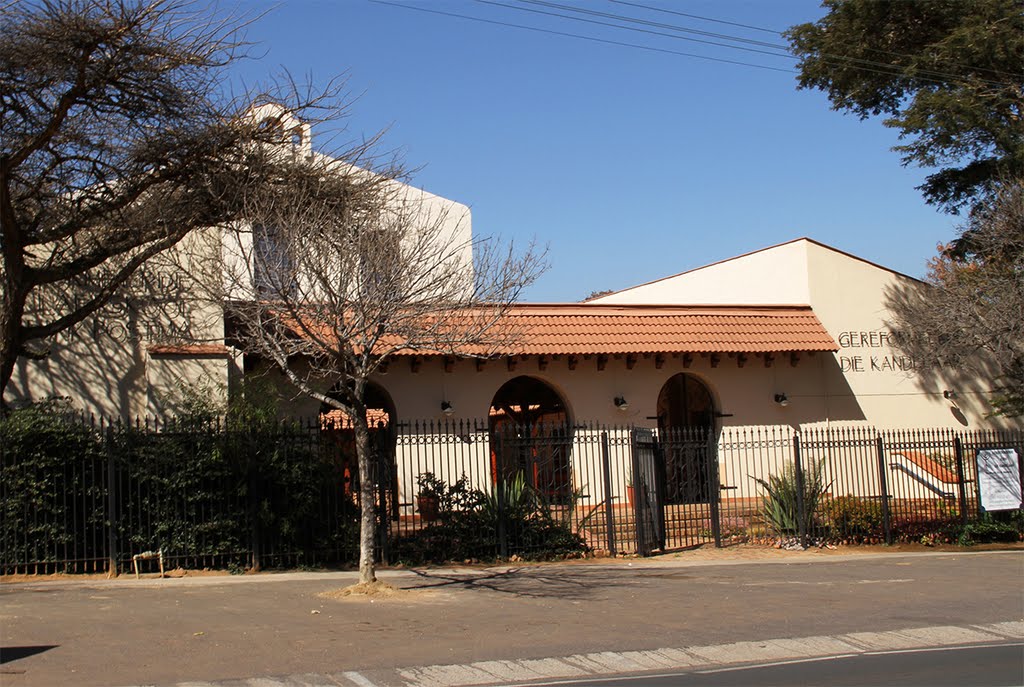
pixel 447 408
pixel 621 403
pixel 782 400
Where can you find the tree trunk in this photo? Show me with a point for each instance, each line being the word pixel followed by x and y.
pixel 11 311
pixel 12 296
pixel 368 519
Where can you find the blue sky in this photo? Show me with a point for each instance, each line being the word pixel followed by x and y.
pixel 628 164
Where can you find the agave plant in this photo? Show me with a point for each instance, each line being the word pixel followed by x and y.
pixel 518 498
pixel 780 507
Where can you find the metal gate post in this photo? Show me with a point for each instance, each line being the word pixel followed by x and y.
pixel 658 456
pixel 383 478
pixel 111 504
pixel 714 490
pixel 499 488
pixel 639 498
pixel 801 523
pixel 961 481
pixel 883 484
pixel 606 470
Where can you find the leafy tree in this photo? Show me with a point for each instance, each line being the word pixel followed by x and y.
pixel 945 73
pixel 117 139
pixel 969 319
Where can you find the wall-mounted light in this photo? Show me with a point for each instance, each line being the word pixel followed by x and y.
pixel 447 408
pixel 621 403
pixel 782 400
pixel 949 394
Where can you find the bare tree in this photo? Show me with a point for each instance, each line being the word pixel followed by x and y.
pixel 337 269
pixel 969 319
pixel 117 138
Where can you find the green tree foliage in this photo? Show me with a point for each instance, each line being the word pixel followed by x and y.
pixel 945 73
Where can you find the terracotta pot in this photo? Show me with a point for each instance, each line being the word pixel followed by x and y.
pixel 629 496
pixel 429 508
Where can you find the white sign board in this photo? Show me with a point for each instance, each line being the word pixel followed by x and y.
pixel 999 479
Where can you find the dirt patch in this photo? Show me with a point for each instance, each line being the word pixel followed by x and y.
pixel 52 577
pixel 129 575
pixel 376 591
pixel 183 572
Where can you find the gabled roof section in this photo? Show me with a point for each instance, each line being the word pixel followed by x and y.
pixel 582 329
pixel 755 252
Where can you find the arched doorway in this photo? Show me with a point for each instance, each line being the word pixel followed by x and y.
pixel 531 438
pixel 686 417
pixel 337 433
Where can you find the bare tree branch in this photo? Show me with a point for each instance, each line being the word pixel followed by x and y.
pixel 118 139
pixel 339 267
pixel 969 319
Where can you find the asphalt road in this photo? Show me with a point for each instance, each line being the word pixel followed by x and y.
pixel 999 665
pixel 165 632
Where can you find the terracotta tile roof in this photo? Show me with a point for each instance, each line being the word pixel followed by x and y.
pixel 201 350
pixel 585 329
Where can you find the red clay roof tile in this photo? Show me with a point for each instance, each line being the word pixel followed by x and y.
pixel 202 350
pixel 588 329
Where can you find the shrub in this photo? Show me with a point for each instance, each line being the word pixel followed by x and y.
pixel 849 516
pixel 52 472
pixel 988 531
pixel 470 522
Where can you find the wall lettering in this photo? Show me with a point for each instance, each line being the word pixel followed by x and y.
pixel 152 307
pixel 853 360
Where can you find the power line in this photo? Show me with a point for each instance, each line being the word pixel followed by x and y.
pixel 581 37
pixel 660 25
pixel 888 69
pixel 882 68
pixel 629 28
pixel 997 72
pixel 696 16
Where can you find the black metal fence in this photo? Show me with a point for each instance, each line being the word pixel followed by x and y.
pixel 77 495
pixel 86 496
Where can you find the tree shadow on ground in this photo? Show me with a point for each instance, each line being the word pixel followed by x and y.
pixel 538 583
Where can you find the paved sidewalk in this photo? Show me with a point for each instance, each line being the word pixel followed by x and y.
pixel 234 630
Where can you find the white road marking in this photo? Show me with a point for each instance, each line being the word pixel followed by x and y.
pixel 820 583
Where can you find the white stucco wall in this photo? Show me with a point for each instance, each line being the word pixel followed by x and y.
pixel 848 296
pixel 745 396
pixel 777 276
pixel 103 365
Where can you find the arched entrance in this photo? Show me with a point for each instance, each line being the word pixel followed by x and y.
pixel 337 430
pixel 531 438
pixel 686 417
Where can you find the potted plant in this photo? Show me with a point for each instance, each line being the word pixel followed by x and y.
pixel 428 499
pixel 629 490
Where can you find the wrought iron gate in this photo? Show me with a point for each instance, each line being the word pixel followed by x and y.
pixel 648 492
pixel 691 489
